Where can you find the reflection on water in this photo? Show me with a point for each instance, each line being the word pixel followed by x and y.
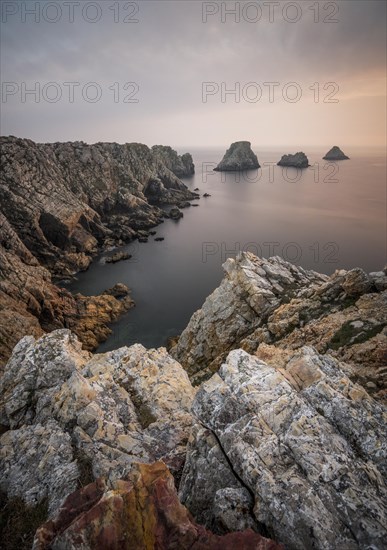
pixel 324 217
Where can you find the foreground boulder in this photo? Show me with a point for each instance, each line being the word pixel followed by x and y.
pixel 297 449
pixel 298 160
pixel 270 301
pixel 238 157
pixel 335 154
pixel 141 512
pixel 71 417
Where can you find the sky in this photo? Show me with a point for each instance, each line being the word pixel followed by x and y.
pixel 195 74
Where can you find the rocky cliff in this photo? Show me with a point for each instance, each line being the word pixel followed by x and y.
pixel 180 165
pixel 272 302
pixel 31 304
pixel 64 199
pixel 59 204
pixel 238 157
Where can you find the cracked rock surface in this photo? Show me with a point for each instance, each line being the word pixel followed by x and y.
pixel 272 302
pixel 302 441
pixel 65 409
pixel 142 512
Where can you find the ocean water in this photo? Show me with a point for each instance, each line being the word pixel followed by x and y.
pixel 326 217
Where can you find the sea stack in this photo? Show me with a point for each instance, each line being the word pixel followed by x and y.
pixel 299 160
pixel 238 157
pixel 335 154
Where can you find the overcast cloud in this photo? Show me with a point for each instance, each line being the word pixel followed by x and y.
pixel 170 52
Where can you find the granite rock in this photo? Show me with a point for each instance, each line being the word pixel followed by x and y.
pixel 306 443
pixel 127 405
pixel 269 301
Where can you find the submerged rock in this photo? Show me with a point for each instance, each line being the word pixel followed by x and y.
pixel 139 513
pixel 175 213
pixel 298 160
pixel 238 157
pixel 118 257
pixel 335 154
pixel 185 204
pixel 295 446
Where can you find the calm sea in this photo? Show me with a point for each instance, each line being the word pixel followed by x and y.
pixel 325 217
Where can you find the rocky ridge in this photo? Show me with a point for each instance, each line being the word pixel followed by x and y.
pixel 238 157
pixel 270 301
pixel 65 410
pixel 287 448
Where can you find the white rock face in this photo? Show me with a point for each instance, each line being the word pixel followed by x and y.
pixel 269 301
pixel 307 443
pixel 67 407
pixel 251 289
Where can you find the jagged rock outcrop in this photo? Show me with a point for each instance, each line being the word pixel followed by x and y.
pixel 274 302
pixel 298 160
pixel 335 154
pixel 31 304
pixel 71 416
pixel 141 512
pixel 300 441
pixel 252 289
pixel 180 165
pixel 238 157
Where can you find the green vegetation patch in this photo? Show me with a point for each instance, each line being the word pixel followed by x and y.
pixel 19 522
pixel 354 332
